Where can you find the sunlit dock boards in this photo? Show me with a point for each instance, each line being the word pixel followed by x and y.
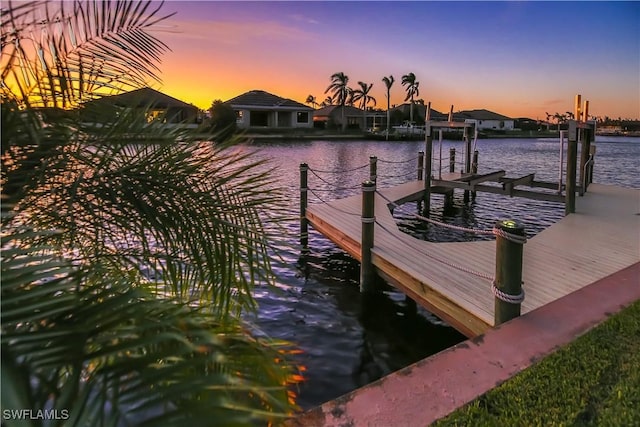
pixel 600 238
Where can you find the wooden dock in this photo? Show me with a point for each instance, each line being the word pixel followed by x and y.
pixel 600 238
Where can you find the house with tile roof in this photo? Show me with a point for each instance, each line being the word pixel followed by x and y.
pixel 260 109
pixel 331 116
pixel 156 104
pixel 486 119
pixel 403 111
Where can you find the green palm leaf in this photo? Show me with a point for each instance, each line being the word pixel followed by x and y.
pixel 83 49
pixel 110 342
pixel 130 250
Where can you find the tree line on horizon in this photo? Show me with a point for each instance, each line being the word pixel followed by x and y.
pixel 341 94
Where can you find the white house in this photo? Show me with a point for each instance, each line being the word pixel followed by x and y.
pixel 487 119
pixel 260 109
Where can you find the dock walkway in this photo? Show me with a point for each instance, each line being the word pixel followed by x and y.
pixel 599 239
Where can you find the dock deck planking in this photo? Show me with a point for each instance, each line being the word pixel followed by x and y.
pixel 602 237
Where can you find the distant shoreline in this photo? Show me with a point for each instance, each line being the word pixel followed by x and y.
pixel 365 136
pixel 294 136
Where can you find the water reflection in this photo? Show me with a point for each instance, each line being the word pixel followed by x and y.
pixel 348 340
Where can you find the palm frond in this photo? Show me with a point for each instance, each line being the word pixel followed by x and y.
pixel 129 309
pixel 57 55
pixel 115 352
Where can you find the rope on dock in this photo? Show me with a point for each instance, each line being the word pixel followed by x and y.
pixel 495 231
pixel 503 296
pixel 411 172
pixel 433 221
pixel 440 260
pixel 334 188
pixel 331 206
pixel 413 159
pixel 515 238
pixel 339 171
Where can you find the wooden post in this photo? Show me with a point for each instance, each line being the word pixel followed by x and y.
pixel 420 165
pixel 467 159
pixel 373 168
pixel 592 152
pixel 304 223
pixel 584 157
pixel 585 111
pixel 572 157
pixel 508 280
pixel 427 171
pixel 474 170
pixel 585 154
pixel 452 159
pixel 367 273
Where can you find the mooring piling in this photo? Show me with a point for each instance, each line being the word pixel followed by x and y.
pixel 585 157
pixel 428 159
pixel 507 285
pixel 373 168
pixel 474 170
pixel 467 158
pixel 572 154
pixel 452 160
pixel 420 165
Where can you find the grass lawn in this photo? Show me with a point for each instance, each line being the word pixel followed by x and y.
pixel 594 381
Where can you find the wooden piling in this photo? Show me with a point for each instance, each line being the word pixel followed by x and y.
pixel 367 272
pixel 428 155
pixel 467 159
pixel 508 279
pixel 474 170
pixel 373 168
pixel 592 152
pixel 572 157
pixel 304 223
pixel 585 152
pixel 420 165
pixel 452 159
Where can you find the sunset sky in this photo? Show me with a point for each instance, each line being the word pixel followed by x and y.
pixel 515 58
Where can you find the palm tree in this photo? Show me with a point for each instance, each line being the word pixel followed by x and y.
pixel 312 100
pixel 126 267
pixel 560 118
pixel 328 101
pixel 363 96
pixel 412 88
pixel 388 82
pixel 340 92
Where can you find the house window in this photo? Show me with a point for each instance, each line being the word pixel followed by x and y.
pixel 259 118
pixel 303 117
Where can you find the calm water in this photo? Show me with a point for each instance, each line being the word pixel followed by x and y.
pixel 346 344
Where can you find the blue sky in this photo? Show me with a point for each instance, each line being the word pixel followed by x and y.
pixel 516 58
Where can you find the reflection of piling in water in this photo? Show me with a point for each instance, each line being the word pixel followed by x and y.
pixel 304 222
pixel 367 271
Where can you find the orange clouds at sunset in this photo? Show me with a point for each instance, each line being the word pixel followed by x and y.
pixel 516 59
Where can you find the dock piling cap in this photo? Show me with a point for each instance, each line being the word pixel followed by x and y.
pixel 511 226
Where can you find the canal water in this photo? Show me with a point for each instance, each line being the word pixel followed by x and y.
pixel 344 343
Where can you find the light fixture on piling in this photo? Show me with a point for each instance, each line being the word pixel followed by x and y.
pixel 509 223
